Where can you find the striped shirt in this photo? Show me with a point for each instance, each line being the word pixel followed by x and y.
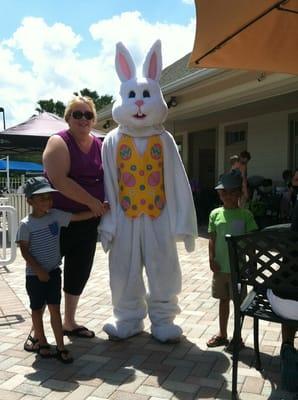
pixel 43 235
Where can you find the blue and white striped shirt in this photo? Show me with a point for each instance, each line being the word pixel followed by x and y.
pixel 43 235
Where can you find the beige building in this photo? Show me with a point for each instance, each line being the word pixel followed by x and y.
pixel 214 113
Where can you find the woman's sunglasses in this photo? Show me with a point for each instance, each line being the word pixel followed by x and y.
pixel 79 115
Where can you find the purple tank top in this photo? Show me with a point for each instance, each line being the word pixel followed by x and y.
pixel 85 169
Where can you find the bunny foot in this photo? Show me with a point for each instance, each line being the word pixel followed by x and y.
pixel 120 330
pixel 168 334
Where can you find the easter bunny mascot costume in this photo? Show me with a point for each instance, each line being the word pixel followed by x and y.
pixel 151 205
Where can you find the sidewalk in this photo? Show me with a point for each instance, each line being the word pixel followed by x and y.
pixel 139 368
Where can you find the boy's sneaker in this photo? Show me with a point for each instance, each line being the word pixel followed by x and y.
pixel 230 347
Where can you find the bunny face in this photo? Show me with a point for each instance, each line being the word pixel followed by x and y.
pixel 140 102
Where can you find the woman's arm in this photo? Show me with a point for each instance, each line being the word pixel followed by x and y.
pixel 56 161
pixel 81 216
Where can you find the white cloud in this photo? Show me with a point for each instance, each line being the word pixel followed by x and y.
pixel 188 2
pixel 138 35
pixel 55 69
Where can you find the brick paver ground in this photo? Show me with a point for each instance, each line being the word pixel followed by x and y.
pixel 139 368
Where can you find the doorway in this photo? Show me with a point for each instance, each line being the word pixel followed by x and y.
pixel 201 155
pixel 202 162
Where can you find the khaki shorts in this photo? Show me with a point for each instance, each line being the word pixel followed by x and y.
pixel 222 286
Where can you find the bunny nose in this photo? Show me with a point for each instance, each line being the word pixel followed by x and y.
pixel 139 103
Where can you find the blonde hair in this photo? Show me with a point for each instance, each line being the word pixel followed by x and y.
pixel 77 100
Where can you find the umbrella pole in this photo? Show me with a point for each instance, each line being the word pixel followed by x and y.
pixel 7 175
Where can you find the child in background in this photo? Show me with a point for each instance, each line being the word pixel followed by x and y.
pixel 39 239
pixel 228 219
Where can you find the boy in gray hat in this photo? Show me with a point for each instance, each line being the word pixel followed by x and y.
pixel 38 237
pixel 227 219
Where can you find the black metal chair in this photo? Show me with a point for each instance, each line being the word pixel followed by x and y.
pixel 260 260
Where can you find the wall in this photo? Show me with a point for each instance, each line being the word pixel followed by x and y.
pixel 267 141
pixel 268 144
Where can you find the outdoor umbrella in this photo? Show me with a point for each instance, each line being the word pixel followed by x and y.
pixel 260 35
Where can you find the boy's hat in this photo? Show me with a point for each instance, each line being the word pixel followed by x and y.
pixel 37 185
pixel 230 180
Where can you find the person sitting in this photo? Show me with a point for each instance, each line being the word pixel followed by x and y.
pixel 286 304
pixel 286 203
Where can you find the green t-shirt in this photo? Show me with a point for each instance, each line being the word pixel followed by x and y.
pixel 234 221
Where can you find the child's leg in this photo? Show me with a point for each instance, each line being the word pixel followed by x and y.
pixel 224 311
pixel 56 323
pixel 35 291
pixel 62 354
pixel 29 344
pixel 38 326
pixel 53 301
pixel 220 290
pixel 44 349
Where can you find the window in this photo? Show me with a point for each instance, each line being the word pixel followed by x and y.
pixel 235 141
pixel 234 137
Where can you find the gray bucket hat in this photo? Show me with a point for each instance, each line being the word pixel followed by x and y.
pixel 230 180
pixel 37 185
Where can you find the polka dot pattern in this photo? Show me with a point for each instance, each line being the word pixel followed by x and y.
pixel 140 177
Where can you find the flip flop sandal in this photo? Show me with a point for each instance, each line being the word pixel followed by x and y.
pixel 217 341
pixel 44 351
pixel 30 344
pixel 63 356
pixel 79 332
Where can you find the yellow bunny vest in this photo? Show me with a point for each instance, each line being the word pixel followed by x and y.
pixel 140 177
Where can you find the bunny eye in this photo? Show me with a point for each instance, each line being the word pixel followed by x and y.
pixel 132 94
pixel 146 93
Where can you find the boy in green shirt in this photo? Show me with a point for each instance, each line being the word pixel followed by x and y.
pixel 228 219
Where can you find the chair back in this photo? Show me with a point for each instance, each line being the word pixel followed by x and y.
pixel 265 259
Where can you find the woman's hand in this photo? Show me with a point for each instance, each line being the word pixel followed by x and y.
pixel 97 207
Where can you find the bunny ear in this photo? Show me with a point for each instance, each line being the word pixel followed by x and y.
pixel 153 63
pixel 125 66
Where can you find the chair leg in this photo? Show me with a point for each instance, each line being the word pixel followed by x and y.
pixel 256 344
pixel 235 368
pixel 236 345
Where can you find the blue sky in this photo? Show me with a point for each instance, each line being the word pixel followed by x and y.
pixel 50 48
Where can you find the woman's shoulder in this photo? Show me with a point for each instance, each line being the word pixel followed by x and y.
pixel 57 141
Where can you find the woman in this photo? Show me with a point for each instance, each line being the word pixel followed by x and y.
pixel 286 304
pixel 72 161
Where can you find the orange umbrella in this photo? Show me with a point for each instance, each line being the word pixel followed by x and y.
pixel 260 35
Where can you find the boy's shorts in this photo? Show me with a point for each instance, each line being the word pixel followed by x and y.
pixel 222 286
pixel 42 293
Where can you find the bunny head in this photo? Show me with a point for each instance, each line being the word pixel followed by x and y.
pixel 140 104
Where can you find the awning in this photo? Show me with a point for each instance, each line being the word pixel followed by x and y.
pixel 260 35
pixel 20 166
pixel 32 134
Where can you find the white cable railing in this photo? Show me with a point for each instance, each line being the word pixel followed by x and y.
pixel 8 229
pixel 19 202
